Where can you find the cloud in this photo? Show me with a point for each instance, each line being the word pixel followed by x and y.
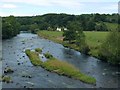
pixel 45 2
pixel 110 7
pixel 30 7
pixel 8 6
pixel 68 4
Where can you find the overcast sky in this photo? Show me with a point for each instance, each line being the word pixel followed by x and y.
pixel 39 7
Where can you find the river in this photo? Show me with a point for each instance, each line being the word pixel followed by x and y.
pixel 13 53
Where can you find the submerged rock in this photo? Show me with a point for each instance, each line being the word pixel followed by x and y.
pixel 8 70
pixel 7 79
pixel 103 74
pixel 118 73
pixel 25 74
pixel 23 56
pixel 18 63
pixel 30 83
pixel 105 69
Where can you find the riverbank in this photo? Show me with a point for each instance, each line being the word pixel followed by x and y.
pixel 14 57
pixel 59 67
pixel 93 39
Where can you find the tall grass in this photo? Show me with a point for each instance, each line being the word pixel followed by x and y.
pixel 66 69
pixel 59 67
pixel 34 57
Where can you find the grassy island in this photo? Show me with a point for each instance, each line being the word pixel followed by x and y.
pixel 59 67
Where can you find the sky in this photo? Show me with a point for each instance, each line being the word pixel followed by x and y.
pixel 40 7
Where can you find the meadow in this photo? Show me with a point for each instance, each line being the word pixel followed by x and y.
pixel 93 38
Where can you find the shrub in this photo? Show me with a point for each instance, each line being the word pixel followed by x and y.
pixel 39 50
pixel 34 57
pixel 85 49
pixel 48 55
pixel 110 49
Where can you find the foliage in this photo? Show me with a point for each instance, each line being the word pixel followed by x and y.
pixel 34 57
pixel 90 25
pixel 76 35
pixel 70 34
pixel 64 68
pixel 48 55
pixel 101 27
pixel 110 49
pixel 89 22
pixel 33 28
pixel 39 50
pixel 59 67
pixel 10 27
pixel 90 40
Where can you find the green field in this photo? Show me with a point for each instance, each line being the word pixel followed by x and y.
pixel 93 38
pixel 111 26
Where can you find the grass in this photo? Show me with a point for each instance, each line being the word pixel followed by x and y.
pixel 66 69
pixel 59 67
pixel 48 55
pixel 52 35
pixel 34 57
pixel 39 50
pixel 93 38
pixel 112 26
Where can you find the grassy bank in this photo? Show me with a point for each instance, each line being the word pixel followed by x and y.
pixel 93 39
pixel 34 57
pixel 59 67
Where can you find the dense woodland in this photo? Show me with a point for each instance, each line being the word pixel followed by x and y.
pixel 75 24
pixel 88 22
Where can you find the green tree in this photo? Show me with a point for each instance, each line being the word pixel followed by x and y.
pixel 70 33
pixel 34 28
pixel 101 27
pixel 75 34
pixel 90 25
pixel 10 27
pixel 110 49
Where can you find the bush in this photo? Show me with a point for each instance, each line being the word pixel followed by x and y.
pixel 85 49
pixel 27 51
pixel 110 49
pixel 34 57
pixel 39 50
pixel 48 55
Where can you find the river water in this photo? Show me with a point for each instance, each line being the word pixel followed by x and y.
pixel 13 53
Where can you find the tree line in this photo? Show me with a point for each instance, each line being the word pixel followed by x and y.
pixel 89 22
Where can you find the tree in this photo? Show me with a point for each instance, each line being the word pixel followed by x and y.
pixel 70 33
pixel 7 30
pixel 110 49
pixel 34 28
pixel 90 25
pixel 75 33
pixel 101 27
pixel 10 27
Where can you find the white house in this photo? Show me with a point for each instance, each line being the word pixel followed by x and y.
pixel 59 29
pixel 65 29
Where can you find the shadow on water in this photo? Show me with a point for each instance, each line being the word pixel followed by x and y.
pixel 13 53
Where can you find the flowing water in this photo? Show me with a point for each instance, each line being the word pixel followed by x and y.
pixel 15 58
